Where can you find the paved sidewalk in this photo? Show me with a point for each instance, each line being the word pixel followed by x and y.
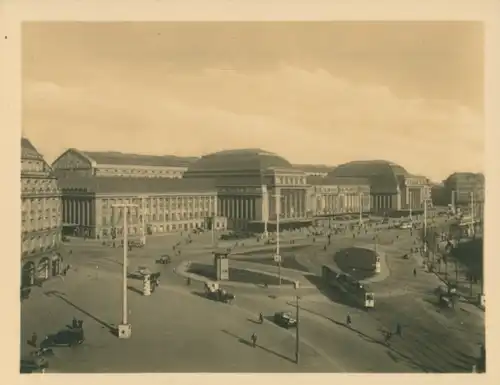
pixel 173 330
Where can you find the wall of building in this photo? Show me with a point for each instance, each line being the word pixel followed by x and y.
pixel 41 211
pixel 339 199
pixel 41 220
pixel 159 212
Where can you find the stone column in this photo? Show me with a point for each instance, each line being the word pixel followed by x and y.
pixel 89 222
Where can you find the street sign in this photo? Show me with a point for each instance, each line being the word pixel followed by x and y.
pixel 277 258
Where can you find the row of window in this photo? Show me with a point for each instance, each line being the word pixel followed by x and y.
pixel 114 219
pixel 40 224
pixel 40 243
pixel 36 204
pixel 160 229
pixel 179 202
pixel 30 165
pixel 140 172
pixel 291 180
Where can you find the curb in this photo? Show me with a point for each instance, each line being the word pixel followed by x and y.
pixel 181 270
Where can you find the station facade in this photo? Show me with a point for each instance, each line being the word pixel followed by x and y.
pixel 160 205
pixel 392 188
pixel 254 187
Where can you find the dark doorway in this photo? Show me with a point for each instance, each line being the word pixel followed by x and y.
pixel 28 274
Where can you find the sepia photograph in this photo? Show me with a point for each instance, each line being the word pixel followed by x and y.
pixel 252 197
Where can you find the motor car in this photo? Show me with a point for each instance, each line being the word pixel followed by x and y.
pixel 284 319
pixel 164 259
pixel 70 337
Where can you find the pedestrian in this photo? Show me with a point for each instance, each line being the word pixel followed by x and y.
pixel 74 323
pixel 348 320
pixel 388 336
pixel 34 340
pixel 399 330
pixel 261 318
pixel 415 272
pixel 254 340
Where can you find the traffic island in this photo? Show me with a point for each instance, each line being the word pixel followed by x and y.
pixel 357 262
pixel 287 262
pixel 236 275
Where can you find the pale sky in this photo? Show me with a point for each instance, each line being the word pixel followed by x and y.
pixel 319 93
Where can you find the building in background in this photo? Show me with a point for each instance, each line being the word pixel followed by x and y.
pixel 392 188
pixel 163 205
pixel 331 196
pixel 462 189
pixel 314 169
pixel 250 183
pixel 116 164
pixel 41 218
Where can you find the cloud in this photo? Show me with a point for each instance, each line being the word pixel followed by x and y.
pixel 306 116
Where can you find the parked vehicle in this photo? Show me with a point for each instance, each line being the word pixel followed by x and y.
pixel 71 337
pixel 285 319
pixel 215 293
pixel 164 260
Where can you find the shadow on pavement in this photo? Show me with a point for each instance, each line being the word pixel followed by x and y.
pixel 110 327
pixel 135 290
pixel 333 295
pixel 392 352
pixel 248 343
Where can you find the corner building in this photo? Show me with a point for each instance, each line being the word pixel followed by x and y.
pixel 465 188
pixel 392 188
pixel 41 218
pixel 253 187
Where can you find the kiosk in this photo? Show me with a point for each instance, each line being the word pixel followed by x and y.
pixel 221 265
pixel 377 265
pixel 146 285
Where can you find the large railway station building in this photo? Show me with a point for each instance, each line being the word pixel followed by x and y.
pixel 243 189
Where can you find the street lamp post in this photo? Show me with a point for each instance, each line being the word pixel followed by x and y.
pixel 425 225
pixel 472 213
pixel 278 214
pixel 360 209
pixel 297 334
pixel 409 203
pixel 143 219
pixel 124 329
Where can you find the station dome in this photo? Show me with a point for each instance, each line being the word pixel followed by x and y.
pixel 253 159
pixel 384 176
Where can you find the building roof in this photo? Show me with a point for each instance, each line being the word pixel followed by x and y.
pixel 28 151
pixel 337 181
pixel 465 177
pixel 120 158
pixel 125 185
pixel 382 175
pixel 253 159
pixel 314 167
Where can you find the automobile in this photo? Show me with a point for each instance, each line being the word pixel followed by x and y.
pixel 214 292
pixel 70 337
pixel 285 319
pixel 136 243
pixel 164 259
